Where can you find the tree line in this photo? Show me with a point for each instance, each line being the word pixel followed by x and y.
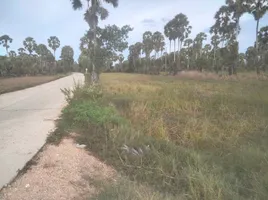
pixel 221 54
pixel 35 59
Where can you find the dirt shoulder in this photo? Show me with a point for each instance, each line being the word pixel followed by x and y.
pixel 19 83
pixel 61 172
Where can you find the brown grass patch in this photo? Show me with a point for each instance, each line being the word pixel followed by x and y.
pixel 18 83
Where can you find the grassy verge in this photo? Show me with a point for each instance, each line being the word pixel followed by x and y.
pixel 19 83
pixel 190 139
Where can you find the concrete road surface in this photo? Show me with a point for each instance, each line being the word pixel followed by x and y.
pixel 26 118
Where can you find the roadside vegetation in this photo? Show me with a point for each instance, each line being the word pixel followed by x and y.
pixel 188 139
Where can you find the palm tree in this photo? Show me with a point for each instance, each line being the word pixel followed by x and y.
pixel 198 43
pixel 29 44
pixel 182 29
pixel 263 45
pixel 93 13
pixel 21 51
pixel 188 43
pixel 138 49
pixel 158 41
pixel 147 46
pixel 257 8
pixel 169 33
pixel 215 41
pixel 121 59
pixel 12 54
pixel 54 43
pixel 237 8
pixel 5 40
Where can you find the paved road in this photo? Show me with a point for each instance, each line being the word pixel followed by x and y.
pixel 26 118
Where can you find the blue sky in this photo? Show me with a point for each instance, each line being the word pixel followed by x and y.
pixel 41 19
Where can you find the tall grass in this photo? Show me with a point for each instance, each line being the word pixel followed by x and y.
pixel 192 139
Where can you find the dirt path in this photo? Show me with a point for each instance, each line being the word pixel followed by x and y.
pixel 26 118
pixel 62 172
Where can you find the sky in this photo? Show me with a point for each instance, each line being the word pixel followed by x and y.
pixel 41 19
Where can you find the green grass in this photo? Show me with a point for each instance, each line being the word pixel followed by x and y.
pixel 207 139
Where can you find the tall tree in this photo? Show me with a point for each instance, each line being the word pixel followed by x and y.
pixel 12 54
pixel 147 46
pixel 21 51
pixel 257 8
pixel 215 41
pixel 182 30
pixel 93 13
pixel 67 54
pixel 169 33
pixel 158 42
pixel 5 40
pixel 29 44
pixel 263 44
pixel 54 43
pixel 188 44
pixel 139 47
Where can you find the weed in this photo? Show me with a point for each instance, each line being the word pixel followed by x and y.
pixel 206 139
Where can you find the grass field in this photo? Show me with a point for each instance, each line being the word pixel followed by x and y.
pixel 173 138
pixel 18 83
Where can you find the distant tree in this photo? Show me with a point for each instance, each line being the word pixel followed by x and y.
pixel 29 44
pixel 5 40
pixel 67 54
pixel 139 47
pixel 263 46
pixel 21 51
pixel 158 42
pixel 170 34
pixel 182 29
pixel 12 54
pixel 147 46
pixel 188 44
pixel 54 43
pixel 215 41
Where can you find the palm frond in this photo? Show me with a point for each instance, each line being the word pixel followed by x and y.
pixel 77 4
pixel 113 2
pixel 102 12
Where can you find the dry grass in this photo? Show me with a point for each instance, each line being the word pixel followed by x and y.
pixel 208 138
pixel 18 83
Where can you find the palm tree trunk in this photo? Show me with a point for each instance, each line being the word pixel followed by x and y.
pixel 169 46
pixel 94 75
pixel 174 50
pixel 257 46
pixel 214 59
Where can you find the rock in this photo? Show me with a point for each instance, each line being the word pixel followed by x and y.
pixel 81 146
pixel 27 185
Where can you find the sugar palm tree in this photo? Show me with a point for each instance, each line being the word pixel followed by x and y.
pixel 257 8
pixel 21 51
pixel 138 48
pixel 188 43
pixel 94 11
pixel 182 29
pixel 29 44
pixel 5 40
pixel 158 41
pixel 54 43
pixel 12 54
pixel 169 33
pixel 215 41
pixel 237 8
pixel 147 46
